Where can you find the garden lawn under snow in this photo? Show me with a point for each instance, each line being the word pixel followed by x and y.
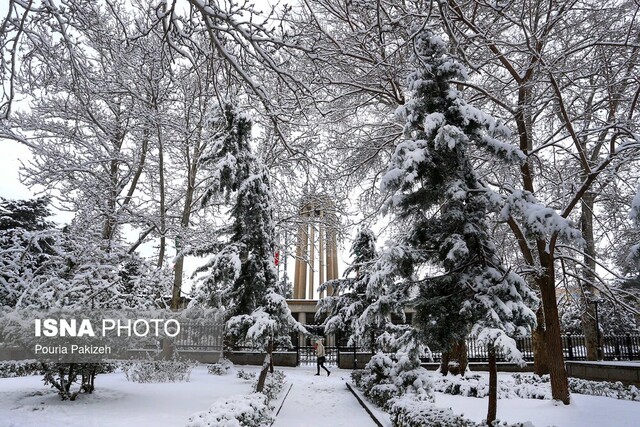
pixel 312 402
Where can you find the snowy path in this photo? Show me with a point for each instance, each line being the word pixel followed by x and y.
pixel 321 401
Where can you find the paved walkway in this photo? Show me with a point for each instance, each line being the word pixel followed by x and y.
pixel 321 401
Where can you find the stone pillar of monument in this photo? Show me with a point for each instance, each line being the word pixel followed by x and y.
pixel 316 250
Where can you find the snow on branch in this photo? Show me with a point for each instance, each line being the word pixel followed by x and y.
pixel 538 220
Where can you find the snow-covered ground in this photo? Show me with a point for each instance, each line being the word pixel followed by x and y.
pixel 312 402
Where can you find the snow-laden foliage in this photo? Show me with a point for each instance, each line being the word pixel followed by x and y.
pixel 539 221
pixel 269 319
pixel 408 412
pixel 157 371
pixel 383 379
pixel 22 368
pixel 245 375
pixel 273 384
pixel 615 390
pixel 342 310
pixel 221 368
pixel 443 261
pixel 240 276
pixel 526 386
pixel 633 258
pixel 43 267
pixel 250 410
pixel 634 214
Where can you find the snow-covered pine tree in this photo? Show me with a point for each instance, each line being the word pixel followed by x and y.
pixel 450 271
pixel 342 310
pixel 27 248
pixel 241 277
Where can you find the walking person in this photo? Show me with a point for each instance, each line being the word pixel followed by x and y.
pixel 321 357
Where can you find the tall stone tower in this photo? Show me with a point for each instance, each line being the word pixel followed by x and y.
pixel 316 250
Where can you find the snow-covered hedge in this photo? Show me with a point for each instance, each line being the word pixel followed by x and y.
pixel 157 371
pixel 529 387
pixel 408 412
pixel 221 368
pixel 381 381
pixel 235 411
pixel 11 369
pixel 273 384
pixel 244 375
pixel 478 386
pixel 616 389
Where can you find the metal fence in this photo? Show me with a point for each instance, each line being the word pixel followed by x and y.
pixel 614 347
pixel 203 336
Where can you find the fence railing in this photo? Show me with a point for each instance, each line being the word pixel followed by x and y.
pixel 203 336
pixel 614 347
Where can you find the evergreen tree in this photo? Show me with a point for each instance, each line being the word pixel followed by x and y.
pixel 446 262
pixel 27 249
pixel 342 310
pixel 241 277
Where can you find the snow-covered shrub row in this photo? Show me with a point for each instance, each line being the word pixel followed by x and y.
pixel 408 412
pixel 250 410
pixel 23 368
pixel 529 387
pixel 158 371
pixel 381 381
pixel 244 375
pixel 478 386
pixel 221 368
pixel 616 389
pixel 273 384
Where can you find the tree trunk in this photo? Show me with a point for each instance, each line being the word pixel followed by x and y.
pixel 493 386
pixel 266 365
pixel 540 362
pixel 459 352
pixel 588 274
pixel 553 340
pixel 162 195
pixel 444 362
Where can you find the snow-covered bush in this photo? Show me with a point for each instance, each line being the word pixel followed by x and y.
pixel 221 368
pixel 616 389
pixel 408 412
pixel 478 386
pixel 63 376
pixel 382 379
pixel 376 381
pixel 412 413
pixel 244 375
pixel 273 384
pixel 157 371
pixel 527 386
pixel 235 411
pixel 11 369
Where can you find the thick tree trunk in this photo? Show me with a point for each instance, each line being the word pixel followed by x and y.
pixel 444 362
pixel 553 340
pixel 459 352
pixel 540 363
pixel 493 387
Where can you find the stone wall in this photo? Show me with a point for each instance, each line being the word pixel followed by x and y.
pixel 626 372
pixel 346 359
